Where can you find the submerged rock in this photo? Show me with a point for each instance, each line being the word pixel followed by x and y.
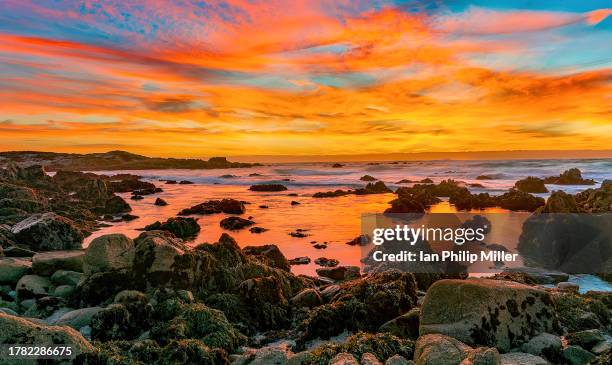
pixel 268 187
pixel 235 223
pixel 179 226
pixel 367 178
pixel 486 312
pixel 228 206
pixel 47 232
pixel 339 273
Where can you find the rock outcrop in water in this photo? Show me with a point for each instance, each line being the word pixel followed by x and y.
pixel 531 185
pixel 229 206
pixel 569 177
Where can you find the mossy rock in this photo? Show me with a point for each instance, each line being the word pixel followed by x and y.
pixel 578 313
pixel 197 321
pixel 381 345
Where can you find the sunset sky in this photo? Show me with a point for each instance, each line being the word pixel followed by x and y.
pixel 201 78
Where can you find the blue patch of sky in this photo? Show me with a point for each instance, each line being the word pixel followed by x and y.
pixel 540 5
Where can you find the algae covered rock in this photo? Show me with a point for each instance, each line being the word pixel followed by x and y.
pixel 486 312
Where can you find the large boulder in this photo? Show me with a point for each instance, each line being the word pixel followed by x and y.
pixel 517 200
pixel 12 269
pixel 109 252
pixel 560 202
pixel 48 232
pixel 15 330
pixel 46 263
pixel 596 200
pixel 486 312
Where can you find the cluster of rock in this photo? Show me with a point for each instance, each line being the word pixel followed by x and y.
pixel 155 300
pixel 418 198
pixel 42 212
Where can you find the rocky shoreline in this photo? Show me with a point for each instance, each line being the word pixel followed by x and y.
pixel 152 299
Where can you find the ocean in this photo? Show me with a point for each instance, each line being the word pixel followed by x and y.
pixel 333 221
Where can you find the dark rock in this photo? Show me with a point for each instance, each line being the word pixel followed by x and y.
pixel 560 202
pixel 185 182
pixel 48 231
pixel 520 201
pixel 586 339
pixel 596 200
pixel 361 240
pixel 267 187
pixel 338 273
pixel 115 205
pixel 235 223
pixel 257 230
pixel 323 261
pixel 15 251
pixel 367 178
pixel 405 326
pixel 307 298
pixel 531 185
pixel 578 313
pixel 303 260
pixel 160 202
pixel 269 255
pixel 33 286
pixel 361 304
pixel 484 177
pixel 293 202
pixel 337 165
pixel 378 187
pixel 569 177
pixel 181 227
pixel 263 207
pixel 298 233
pixel 575 355
pixel 332 194
pixel 46 263
pixel 228 206
pixel 228 176
pixel 171 182
pixel 101 287
pixel 405 205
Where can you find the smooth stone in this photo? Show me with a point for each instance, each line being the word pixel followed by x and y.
pixel 33 286
pixel 567 286
pixel 66 277
pixel 63 291
pixel 12 269
pixel 78 318
pixel 46 263
pixel 542 343
pixel 109 252
pixel 437 349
